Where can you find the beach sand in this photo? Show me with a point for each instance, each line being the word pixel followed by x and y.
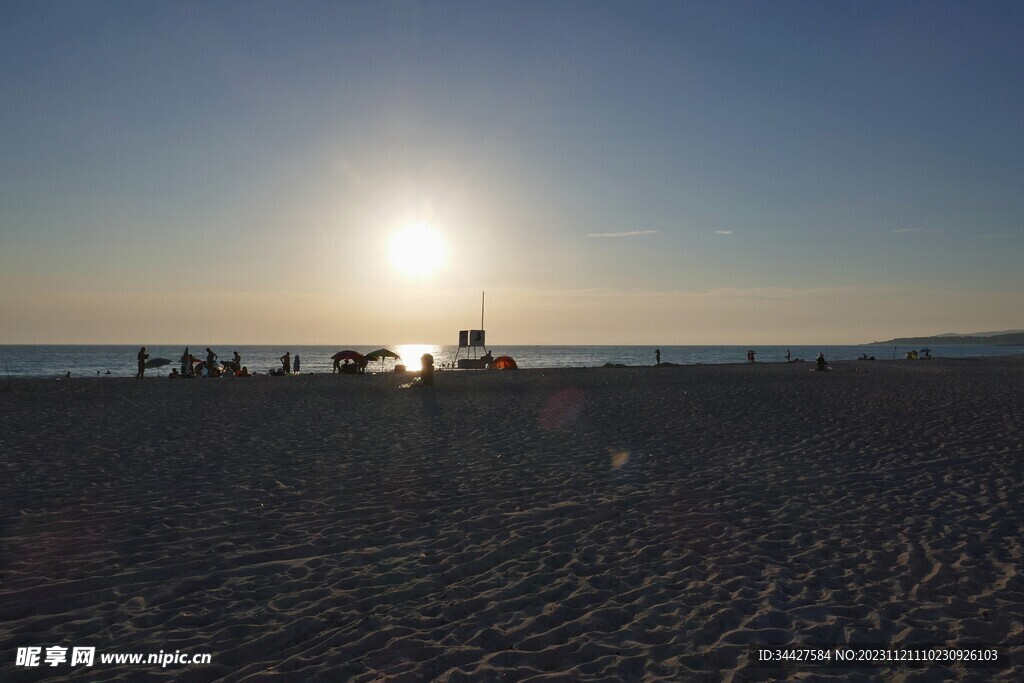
pixel 578 524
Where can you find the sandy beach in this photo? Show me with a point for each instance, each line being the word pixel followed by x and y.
pixel 584 524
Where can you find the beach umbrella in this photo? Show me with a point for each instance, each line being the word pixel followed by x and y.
pixel 157 362
pixel 381 354
pixel 347 355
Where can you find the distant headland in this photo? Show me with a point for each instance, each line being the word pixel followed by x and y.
pixel 1004 338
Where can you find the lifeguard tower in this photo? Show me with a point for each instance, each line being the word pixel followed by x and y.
pixel 473 341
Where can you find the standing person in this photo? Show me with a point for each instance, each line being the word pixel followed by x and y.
pixel 236 360
pixel 788 356
pixel 752 353
pixel 186 363
pixel 295 364
pixel 142 362
pixel 211 361
pixel 286 362
pixel 337 364
pixel 657 356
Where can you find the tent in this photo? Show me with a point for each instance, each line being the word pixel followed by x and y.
pixel 504 363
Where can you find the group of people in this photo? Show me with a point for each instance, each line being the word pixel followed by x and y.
pixel 196 367
pixel 350 366
pixel 289 364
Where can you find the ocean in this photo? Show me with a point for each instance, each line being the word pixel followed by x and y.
pixel 120 361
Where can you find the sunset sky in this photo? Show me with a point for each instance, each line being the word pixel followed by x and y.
pixel 610 173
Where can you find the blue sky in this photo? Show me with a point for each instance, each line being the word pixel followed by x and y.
pixel 748 162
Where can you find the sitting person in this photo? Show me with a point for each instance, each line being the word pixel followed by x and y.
pixel 244 372
pixel 174 373
pixel 427 373
pixel 487 358
pixel 821 362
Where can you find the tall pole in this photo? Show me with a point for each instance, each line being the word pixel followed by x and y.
pixel 482 309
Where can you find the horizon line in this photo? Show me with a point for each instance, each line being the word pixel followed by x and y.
pixel 564 345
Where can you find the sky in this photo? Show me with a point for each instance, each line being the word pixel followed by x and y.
pixel 609 172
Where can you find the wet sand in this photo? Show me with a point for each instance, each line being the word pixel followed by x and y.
pixel 598 524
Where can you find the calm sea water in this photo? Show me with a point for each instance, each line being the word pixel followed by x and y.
pixel 81 361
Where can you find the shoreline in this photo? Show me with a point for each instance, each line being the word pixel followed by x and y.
pixel 855 364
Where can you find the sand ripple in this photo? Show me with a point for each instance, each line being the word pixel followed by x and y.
pixel 550 525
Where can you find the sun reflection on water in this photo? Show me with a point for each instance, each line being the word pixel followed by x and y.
pixel 411 354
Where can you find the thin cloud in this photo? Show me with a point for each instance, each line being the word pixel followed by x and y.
pixel 895 232
pixel 635 233
pixel 723 232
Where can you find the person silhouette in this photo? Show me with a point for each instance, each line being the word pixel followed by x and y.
pixel 657 356
pixel 427 373
pixel 211 362
pixel 142 356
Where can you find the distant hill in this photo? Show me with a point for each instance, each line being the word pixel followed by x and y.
pixel 1001 339
pixel 979 334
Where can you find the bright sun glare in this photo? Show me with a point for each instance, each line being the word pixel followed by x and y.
pixel 417 249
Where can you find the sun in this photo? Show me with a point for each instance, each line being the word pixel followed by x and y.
pixel 417 250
